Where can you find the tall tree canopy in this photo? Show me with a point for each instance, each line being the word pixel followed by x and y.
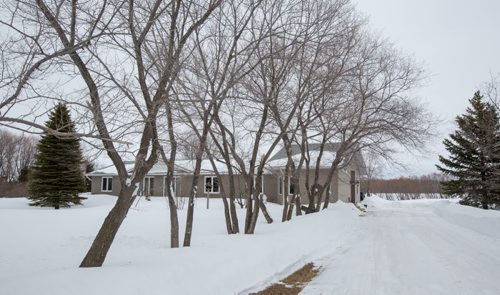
pixel 474 159
pixel 57 177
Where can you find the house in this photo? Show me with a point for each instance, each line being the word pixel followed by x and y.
pixel 344 184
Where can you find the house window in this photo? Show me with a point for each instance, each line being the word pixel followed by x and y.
pixel 174 186
pixel 148 186
pixel 211 185
pixel 107 184
pixel 291 189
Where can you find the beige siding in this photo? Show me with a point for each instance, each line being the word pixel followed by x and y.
pixel 340 186
pixel 271 188
pixel 344 185
pixel 347 187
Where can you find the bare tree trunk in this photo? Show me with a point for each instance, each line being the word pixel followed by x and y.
pixel 102 242
pixel 174 223
pixel 227 216
pixel 285 209
pixel 249 212
pixel 327 200
pixel 298 204
pixel 263 207
pixel 255 215
pixel 174 220
pixel 231 217
pixel 190 211
pixel 189 217
pixel 286 182
pixel 290 208
pixel 234 216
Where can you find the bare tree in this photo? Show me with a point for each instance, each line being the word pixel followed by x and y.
pixel 95 41
pixel 380 111
pixel 491 90
pixel 372 165
pixel 16 154
pixel 322 49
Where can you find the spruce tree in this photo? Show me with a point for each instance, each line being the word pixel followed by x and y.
pixel 56 177
pixel 474 160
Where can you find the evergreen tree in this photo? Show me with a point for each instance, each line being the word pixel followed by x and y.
pixel 56 174
pixel 474 160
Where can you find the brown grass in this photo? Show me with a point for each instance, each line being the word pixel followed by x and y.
pixel 294 283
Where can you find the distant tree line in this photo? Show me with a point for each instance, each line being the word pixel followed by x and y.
pixel 426 184
pixel 17 153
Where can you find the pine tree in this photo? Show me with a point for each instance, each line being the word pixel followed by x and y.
pixel 56 175
pixel 474 160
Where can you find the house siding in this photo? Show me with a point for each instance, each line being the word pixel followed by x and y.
pixel 271 188
pixel 340 187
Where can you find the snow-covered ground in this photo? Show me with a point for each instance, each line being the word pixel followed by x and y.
pixel 408 247
pixel 41 248
pixel 417 247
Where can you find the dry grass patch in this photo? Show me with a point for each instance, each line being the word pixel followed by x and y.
pixel 294 283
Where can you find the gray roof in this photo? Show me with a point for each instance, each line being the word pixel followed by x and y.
pixel 281 154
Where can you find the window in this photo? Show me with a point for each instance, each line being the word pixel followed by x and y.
pixel 107 184
pixel 174 186
pixel 211 185
pixel 148 186
pixel 291 189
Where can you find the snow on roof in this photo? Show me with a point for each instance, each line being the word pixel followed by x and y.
pixel 296 149
pixel 326 160
pixel 111 170
pixel 206 166
pixel 160 168
pixel 279 160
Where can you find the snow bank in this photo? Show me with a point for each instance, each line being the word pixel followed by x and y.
pixel 41 248
pixel 375 201
pixel 475 219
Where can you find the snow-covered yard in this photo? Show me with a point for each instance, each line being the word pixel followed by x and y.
pixel 416 247
pixel 40 249
pixel 407 247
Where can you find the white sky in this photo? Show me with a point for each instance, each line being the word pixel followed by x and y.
pixel 458 43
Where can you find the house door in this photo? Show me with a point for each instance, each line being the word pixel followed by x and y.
pixel 353 186
pixel 148 186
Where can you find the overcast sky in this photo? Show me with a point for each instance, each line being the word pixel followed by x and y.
pixel 458 43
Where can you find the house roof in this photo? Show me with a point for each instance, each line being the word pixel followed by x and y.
pixel 278 160
pixel 326 160
pixel 111 169
pixel 160 168
pixel 329 147
pixel 206 166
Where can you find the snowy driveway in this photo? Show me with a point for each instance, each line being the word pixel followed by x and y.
pixel 416 247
